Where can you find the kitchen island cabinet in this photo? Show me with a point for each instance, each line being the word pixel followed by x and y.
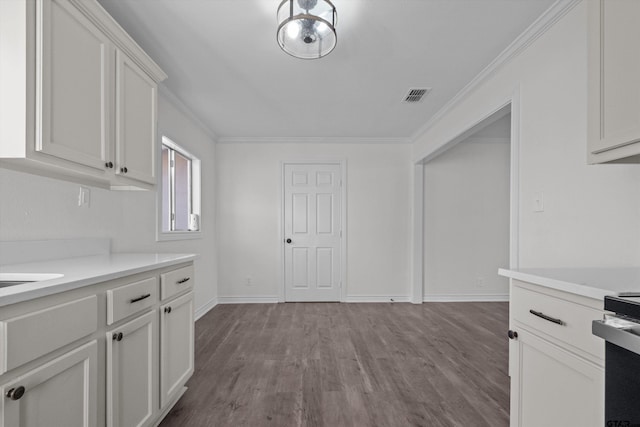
pixel 556 364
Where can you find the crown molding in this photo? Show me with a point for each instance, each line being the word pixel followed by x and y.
pixel 540 26
pixel 177 102
pixel 488 139
pixel 310 140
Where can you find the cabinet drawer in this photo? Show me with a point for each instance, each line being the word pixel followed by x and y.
pixel 176 281
pixel 25 338
pixel 575 329
pixel 132 298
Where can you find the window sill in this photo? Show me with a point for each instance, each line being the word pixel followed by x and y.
pixel 178 235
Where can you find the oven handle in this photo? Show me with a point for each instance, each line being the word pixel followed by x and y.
pixel 624 337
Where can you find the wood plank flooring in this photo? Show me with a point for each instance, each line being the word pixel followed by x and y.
pixel 330 364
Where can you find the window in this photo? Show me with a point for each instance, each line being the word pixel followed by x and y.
pixel 180 201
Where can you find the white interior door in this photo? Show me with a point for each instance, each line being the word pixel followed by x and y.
pixel 312 232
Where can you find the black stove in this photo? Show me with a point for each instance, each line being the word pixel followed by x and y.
pixel 625 304
pixel 621 333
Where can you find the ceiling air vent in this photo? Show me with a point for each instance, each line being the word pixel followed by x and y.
pixel 416 95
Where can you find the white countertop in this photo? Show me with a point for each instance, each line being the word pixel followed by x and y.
pixel 82 271
pixel 589 282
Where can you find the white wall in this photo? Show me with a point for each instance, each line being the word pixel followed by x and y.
pixel 378 217
pixel 36 208
pixel 466 217
pixel 591 212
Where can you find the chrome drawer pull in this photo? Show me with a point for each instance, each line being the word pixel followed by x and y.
pixel 186 279
pixel 140 298
pixel 545 317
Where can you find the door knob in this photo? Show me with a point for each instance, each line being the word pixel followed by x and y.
pixel 288 240
pixel 512 335
pixel 16 393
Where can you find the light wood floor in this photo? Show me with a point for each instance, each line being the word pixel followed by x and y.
pixel 329 364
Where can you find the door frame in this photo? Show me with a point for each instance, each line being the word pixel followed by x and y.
pixel 342 163
pixel 512 104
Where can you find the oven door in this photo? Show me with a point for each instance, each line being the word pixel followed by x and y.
pixel 622 370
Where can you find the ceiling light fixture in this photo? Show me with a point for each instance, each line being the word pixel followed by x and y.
pixel 307 28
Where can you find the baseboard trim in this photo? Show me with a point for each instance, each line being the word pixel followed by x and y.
pixel 376 298
pixel 467 298
pixel 247 300
pixel 349 299
pixel 201 311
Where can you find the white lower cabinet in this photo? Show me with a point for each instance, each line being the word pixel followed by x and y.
pixel 555 363
pixel 553 387
pixel 58 370
pixel 60 393
pixel 130 372
pixel 176 346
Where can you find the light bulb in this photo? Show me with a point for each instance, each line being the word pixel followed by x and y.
pixel 293 29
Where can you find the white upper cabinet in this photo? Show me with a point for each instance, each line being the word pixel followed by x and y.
pixel 614 81
pixel 79 95
pixel 74 102
pixel 136 103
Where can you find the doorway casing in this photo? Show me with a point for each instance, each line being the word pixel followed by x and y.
pixel 510 105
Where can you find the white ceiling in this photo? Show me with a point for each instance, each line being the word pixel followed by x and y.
pixel 224 63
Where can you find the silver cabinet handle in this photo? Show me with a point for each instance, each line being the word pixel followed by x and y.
pixel 140 298
pixel 545 317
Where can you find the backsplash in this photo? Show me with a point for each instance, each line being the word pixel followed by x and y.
pixel 18 252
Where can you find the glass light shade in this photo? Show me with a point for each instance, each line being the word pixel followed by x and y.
pixel 306 28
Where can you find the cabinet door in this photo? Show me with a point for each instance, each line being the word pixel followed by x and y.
pixel 552 387
pixel 614 67
pixel 73 86
pixel 136 115
pixel 176 346
pixel 130 368
pixel 62 392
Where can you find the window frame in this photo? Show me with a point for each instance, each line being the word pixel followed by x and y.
pixel 194 190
